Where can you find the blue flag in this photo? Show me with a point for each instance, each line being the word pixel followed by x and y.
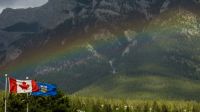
pixel 45 90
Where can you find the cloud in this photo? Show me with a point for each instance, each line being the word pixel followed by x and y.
pixel 6 2
pixel 20 3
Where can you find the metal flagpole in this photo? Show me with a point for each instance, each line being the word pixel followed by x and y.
pixel 27 98
pixel 6 77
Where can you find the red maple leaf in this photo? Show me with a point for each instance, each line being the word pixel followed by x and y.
pixel 24 86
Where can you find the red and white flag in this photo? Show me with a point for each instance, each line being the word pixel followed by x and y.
pixel 22 86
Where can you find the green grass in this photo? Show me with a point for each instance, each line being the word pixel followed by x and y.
pixel 76 103
pixel 144 87
pixel 96 104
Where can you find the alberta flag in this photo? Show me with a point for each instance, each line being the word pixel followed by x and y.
pixel 45 90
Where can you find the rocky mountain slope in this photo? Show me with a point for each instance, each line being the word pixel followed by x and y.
pixel 79 43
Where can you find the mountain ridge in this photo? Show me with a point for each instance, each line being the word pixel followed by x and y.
pixel 106 38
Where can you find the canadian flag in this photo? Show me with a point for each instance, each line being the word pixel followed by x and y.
pixel 22 86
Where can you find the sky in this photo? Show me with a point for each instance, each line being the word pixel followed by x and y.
pixel 20 3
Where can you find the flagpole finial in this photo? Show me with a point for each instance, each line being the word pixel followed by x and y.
pixel 6 75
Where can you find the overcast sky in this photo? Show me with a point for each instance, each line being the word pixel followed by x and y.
pixel 20 3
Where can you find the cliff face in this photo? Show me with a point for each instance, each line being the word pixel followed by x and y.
pixel 76 16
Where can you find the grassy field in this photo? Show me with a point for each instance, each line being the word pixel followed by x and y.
pixel 144 87
pixel 95 104
pixel 76 103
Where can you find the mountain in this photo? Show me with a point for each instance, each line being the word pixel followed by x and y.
pixel 109 48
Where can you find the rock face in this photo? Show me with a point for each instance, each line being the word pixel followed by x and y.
pixel 131 37
pixel 55 12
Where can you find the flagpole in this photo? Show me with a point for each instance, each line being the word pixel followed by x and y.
pixel 27 98
pixel 6 79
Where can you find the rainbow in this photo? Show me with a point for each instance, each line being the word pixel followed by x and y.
pixel 75 46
